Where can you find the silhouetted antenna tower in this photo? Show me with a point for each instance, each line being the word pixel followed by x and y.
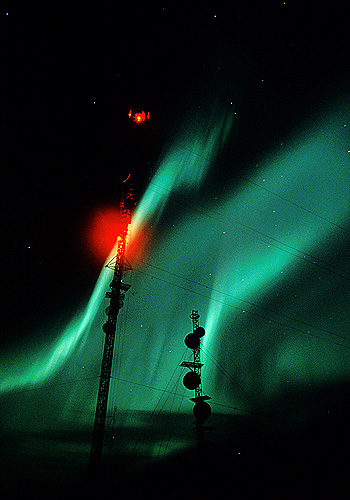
pixel 118 289
pixel 193 380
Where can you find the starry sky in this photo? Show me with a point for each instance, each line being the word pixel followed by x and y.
pixel 241 175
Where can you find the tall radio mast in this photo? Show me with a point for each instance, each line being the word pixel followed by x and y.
pixel 119 265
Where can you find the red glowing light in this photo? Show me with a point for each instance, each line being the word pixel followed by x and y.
pixel 138 245
pixel 103 229
pixel 139 117
pixel 101 233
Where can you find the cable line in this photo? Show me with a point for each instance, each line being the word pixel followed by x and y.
pixel 259 315
pixel 229 377
pixel 215 162
pixel 148 427
pixel 168 421
pixel 247 302
pixel 175 419
pixel 284 244
pixel 203 211
pixel 182 396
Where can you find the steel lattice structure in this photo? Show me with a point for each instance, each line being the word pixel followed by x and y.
pixel 119 265
pixel 201 408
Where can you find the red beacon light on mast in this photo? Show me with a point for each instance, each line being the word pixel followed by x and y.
pixel 139 117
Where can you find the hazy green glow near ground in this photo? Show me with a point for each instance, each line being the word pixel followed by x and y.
pixel 241 260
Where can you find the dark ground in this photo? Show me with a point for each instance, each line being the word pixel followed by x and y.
pixel 302 453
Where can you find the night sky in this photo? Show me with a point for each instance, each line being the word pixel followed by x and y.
pixel 241 175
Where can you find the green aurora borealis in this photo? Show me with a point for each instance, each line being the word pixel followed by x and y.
pixel 261 261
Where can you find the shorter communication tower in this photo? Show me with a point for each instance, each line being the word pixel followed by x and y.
pixel 193 381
